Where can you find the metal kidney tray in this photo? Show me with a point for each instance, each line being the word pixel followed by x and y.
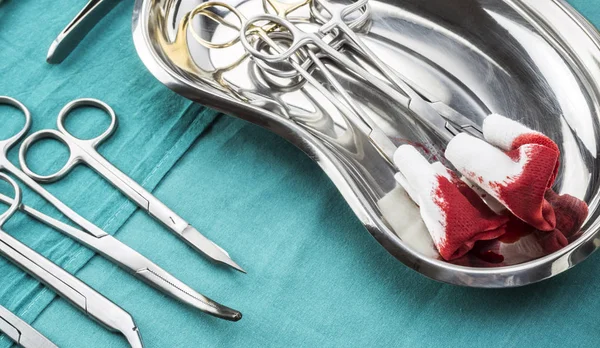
pixel 536 61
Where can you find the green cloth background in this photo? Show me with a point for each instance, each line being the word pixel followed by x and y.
pixel 315 276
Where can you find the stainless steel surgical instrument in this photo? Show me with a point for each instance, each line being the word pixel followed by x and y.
pixel 22 333
pixel 336 18
pixel 384 144
pixel 95 10
pixel 103 243
pixel 78 28
pixel 478 63
pixel 63 283
pixel 6 165
pixel 446 126
pixel 136 264
pixel 338 21
pixel 84 151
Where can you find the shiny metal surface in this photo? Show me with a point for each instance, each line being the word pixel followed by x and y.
pixel 7 166
pixel 22 333
pixel 78 28
pixel 100 241
pixel 136 264
pixel 84 152
pixel 63 283
pixel 535 61
pixel 299 42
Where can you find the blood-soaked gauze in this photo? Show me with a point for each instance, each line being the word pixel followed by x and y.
pixel 454 214
pixel 516 166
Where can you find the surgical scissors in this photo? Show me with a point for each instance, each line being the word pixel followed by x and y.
pixel 63 283
pixel 6 165
pixel 136 264
pixel 84 151
pixel 438 116
pixel 103 243
pixel 68 39
pixel 22 333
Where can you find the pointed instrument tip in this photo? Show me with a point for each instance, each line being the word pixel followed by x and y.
pixel 235 266
pixel 225 259
pixel 214 252
pixel 52 57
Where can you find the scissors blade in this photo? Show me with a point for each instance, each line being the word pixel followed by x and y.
pixel 383 143
pixel 9 327
pixel 22 333
pixel 431 118
pixel 80 26
pixel 136 264
pixel 447 119
pixel 196 239
pixel 155 208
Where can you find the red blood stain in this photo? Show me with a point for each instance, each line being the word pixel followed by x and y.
pixel 431 155
pixel 570 212
pixel 491 257
pixel 467 218
pixel 524 195
pixel 474 232
pixel 515 230
pixel 486 253
pixel 474 177
pixel 551 241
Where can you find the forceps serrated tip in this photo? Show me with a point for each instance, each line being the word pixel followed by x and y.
pixel 168 284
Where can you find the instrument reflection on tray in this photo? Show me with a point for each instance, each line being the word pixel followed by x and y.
pixel 303 52
pixel 351 82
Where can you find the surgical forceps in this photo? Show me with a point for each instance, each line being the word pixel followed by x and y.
pixel 445 125
pixel 84 151
pixel 63 283
pixel 299 40
pixel 20 332
pixel 96 239
pixel 283 9
pixel 336 20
